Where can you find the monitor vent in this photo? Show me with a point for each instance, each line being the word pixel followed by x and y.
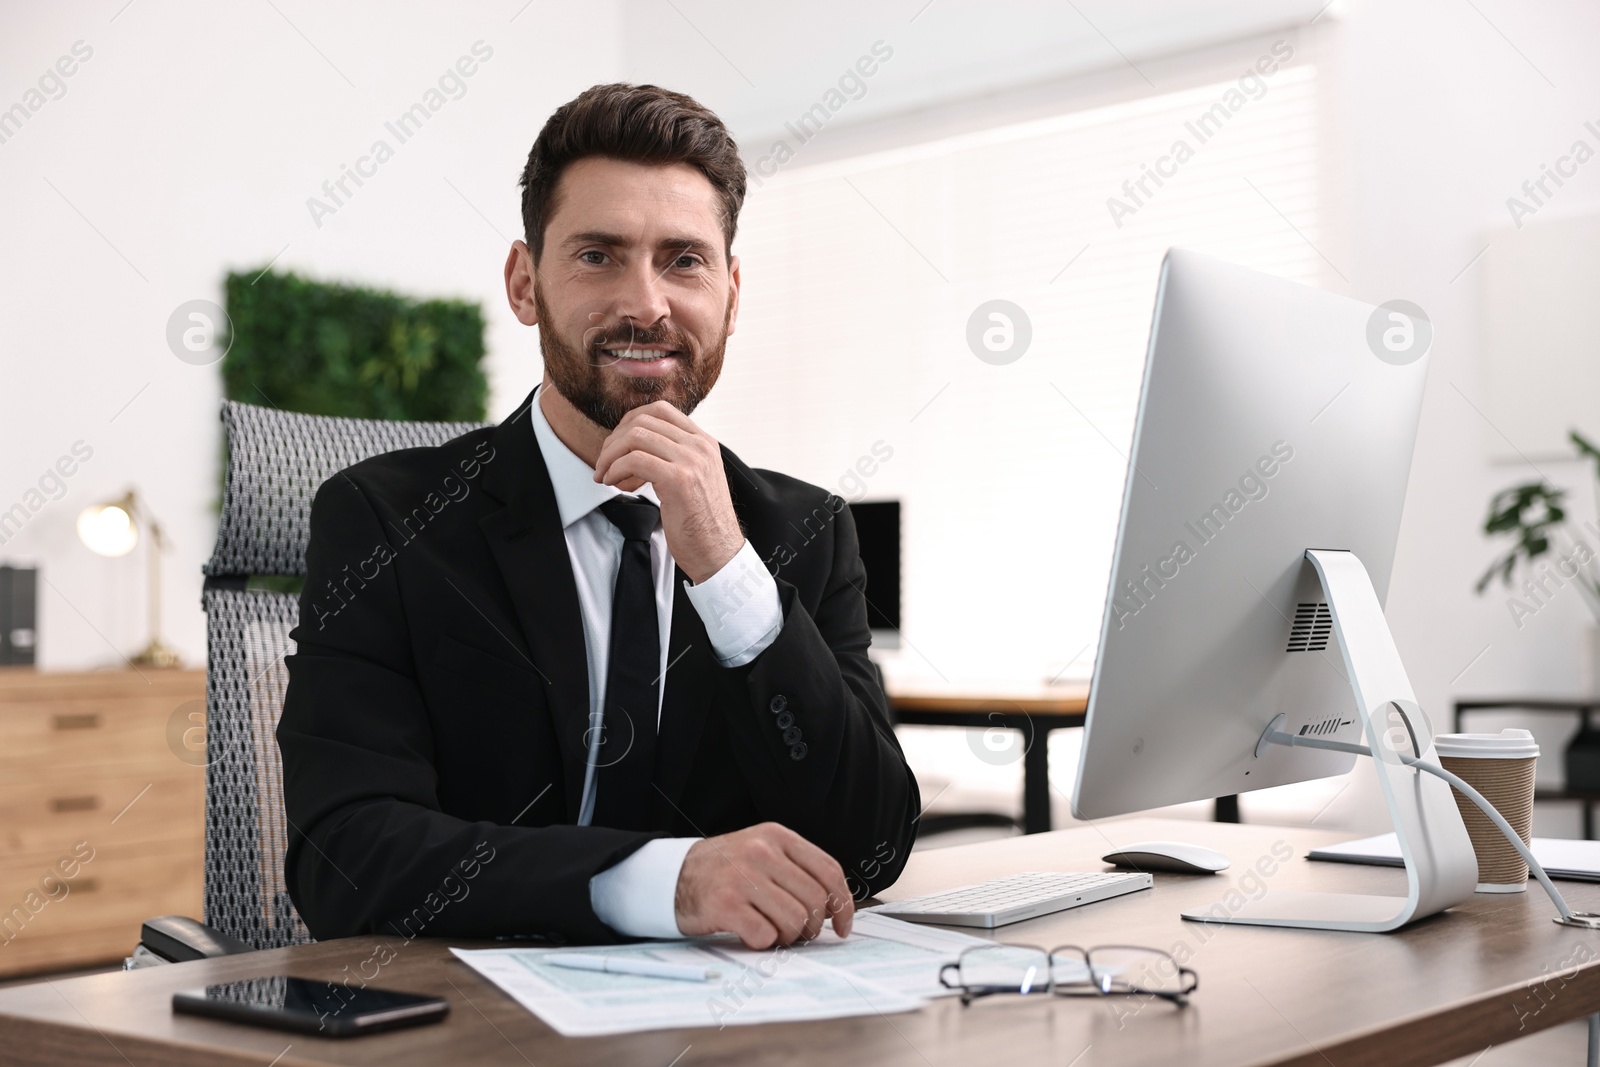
pixel 1326 726
pixel 1312 625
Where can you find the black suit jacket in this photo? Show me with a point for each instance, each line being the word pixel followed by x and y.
pixel 433 732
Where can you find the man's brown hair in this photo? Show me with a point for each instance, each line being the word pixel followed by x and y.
pixel 636 124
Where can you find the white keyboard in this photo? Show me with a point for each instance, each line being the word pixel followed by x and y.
pixel 1009 900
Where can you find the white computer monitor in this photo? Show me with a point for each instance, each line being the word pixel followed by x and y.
pixel 1267 426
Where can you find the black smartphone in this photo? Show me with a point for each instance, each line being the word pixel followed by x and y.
pixel 310 1005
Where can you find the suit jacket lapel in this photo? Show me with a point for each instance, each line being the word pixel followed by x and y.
pixel 530 549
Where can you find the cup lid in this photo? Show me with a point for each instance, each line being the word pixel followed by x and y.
pixel 1507 744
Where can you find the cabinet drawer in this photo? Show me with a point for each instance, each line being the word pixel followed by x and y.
pixel 90 732
pixel 58 808
pixel 90 717
pixel 52 922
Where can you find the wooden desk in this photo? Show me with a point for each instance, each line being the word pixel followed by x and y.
pixel 1445 988
pixel 1031 712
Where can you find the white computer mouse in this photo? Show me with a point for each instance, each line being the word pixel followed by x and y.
pixel 1173 857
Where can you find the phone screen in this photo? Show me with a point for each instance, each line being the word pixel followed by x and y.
pixel 309 1004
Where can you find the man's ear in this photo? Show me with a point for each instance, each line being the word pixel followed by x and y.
pixel 521 275
pixel 733 293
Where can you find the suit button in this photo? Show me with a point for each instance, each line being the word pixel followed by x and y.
pixel 791 736
pixel 778 703
pixel 784 721
pixel 798 752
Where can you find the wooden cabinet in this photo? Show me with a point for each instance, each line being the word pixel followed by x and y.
pixel 102 811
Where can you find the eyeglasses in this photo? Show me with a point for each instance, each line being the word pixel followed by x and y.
pixel 1068 970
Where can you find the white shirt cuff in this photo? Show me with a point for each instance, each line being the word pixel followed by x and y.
pixel 740 607
pixel 638 897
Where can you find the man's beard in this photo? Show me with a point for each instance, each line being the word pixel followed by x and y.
pixel 604 398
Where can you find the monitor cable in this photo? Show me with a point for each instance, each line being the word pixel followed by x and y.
pixel 1584 920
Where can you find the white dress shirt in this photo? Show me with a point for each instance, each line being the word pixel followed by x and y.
pixel 742 614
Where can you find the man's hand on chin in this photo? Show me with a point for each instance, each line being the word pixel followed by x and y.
pixel 766 883
pixel 657 443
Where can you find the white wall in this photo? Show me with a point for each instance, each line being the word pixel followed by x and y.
pixel 1445 121
pixel 187 145
pixel 189 141
pixel 862 275
pixel 1439 112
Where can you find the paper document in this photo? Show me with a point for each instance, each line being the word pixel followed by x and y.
pixel 893 953
pixel 1577 861
pixel 884 966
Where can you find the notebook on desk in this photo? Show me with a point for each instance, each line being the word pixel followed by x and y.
pixel 1577 861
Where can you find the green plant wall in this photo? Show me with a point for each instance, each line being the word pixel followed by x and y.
pixel 328 349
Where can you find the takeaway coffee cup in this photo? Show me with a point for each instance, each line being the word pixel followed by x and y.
pixel 1500 766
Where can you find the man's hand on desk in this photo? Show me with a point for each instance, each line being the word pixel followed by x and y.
pixel 766 883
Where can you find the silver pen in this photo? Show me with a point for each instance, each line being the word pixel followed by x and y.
pixel 611 964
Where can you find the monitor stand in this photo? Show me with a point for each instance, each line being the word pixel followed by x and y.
pixel 1441 867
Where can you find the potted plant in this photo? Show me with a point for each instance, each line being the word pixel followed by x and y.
pixel 1534 517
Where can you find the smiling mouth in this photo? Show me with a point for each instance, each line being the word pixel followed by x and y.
pixel 639 355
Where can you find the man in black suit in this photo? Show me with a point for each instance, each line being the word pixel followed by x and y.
pixel 585 674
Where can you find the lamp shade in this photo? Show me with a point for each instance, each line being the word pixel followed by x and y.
pixel 108 529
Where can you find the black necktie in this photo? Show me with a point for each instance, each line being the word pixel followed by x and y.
pixel 625 766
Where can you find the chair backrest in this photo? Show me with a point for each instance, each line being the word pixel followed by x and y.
pixel 276 462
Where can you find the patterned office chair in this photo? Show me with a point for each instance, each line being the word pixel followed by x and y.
pixel 276 461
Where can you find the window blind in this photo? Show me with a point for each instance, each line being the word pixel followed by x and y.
pixel 860 276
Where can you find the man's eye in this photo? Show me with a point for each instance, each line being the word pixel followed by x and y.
pixel 598 258
pixel 686 260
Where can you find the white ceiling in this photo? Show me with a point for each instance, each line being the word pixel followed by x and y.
pixel 761 64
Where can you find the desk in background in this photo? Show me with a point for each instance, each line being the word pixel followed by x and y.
pixel 1033 712
pixel 1445 988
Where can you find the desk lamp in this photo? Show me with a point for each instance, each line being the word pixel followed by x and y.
pixel 112 529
